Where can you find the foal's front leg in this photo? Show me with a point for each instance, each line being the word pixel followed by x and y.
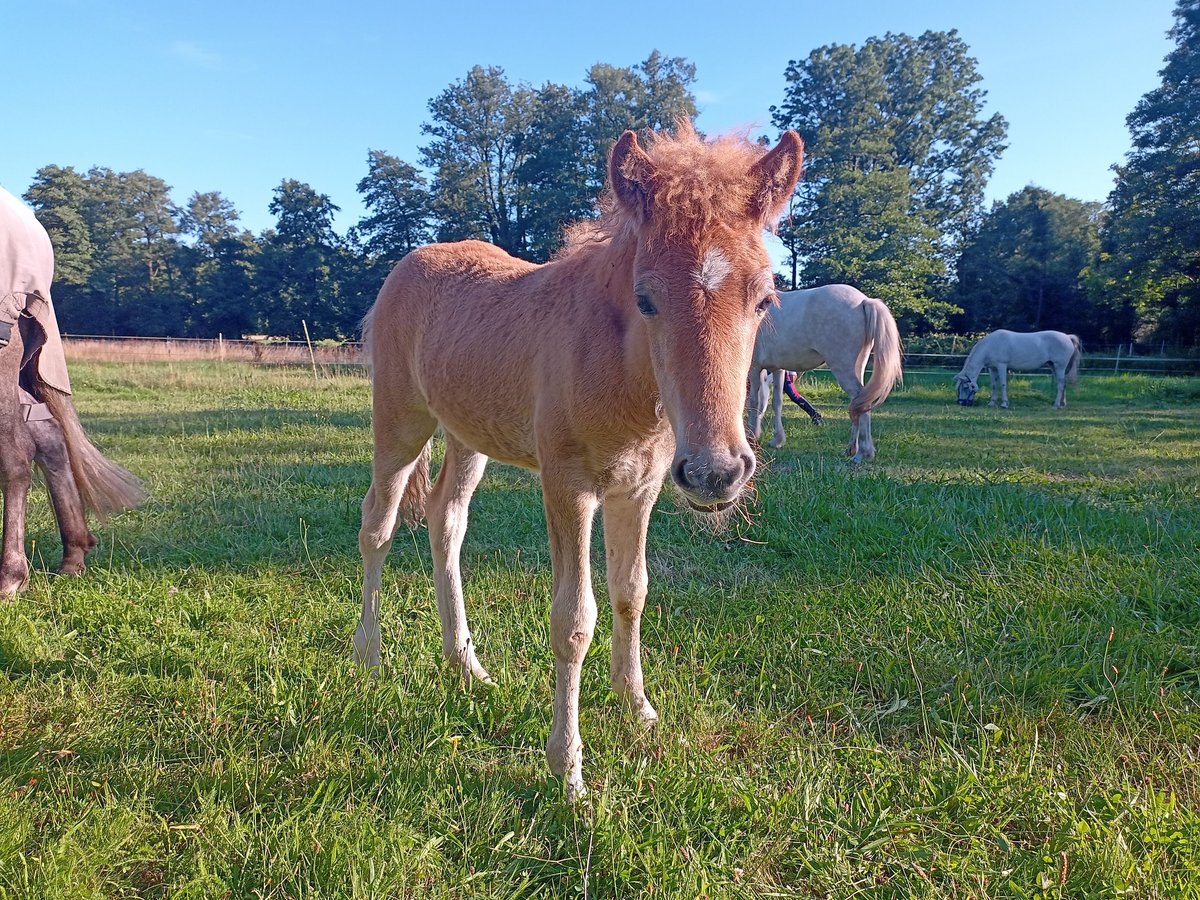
pixel 569 513
pixel 460 474
pixel 626 519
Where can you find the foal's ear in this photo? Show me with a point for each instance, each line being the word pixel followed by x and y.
pixel 775 177
pixel 629 172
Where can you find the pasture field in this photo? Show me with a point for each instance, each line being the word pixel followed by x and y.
pixel 968 669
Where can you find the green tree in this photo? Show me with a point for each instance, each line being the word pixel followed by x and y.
pixel 218 268
pixel 397 199
pixel 297 275
pixel 512 164
pixel 1027 266
pixel 899 121
pixel 115 233
pixel 478 128
pixel 1151 260
pixel 654 94
pixel 58 196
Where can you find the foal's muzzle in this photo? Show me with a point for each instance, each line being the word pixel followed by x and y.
pixel 711 480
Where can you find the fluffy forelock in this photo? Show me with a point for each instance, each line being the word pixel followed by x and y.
pixel 697 186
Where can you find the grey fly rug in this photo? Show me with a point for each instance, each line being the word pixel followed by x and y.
pixel 26 270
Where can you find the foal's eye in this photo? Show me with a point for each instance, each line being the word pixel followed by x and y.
pixel 645 306
pixel 764 304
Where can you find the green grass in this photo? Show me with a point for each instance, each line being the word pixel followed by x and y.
pixel 968 669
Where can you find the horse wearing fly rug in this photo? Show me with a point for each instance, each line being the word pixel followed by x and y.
pixel 38 423
pixel 621 360
pixel 839 326
pixel 1003 350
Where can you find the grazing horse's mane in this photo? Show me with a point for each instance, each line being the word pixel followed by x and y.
pixel 695 185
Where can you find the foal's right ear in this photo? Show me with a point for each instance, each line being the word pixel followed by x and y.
pixel 629 172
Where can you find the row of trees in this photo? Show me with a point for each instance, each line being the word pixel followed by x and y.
pixel 899 155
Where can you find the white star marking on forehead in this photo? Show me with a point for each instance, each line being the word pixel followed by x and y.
pixel 714 269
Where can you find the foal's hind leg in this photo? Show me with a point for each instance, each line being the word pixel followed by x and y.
pixel 51 456
pixel 447 517
pixel 401 452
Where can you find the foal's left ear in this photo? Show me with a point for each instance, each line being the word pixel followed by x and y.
pixel 775 177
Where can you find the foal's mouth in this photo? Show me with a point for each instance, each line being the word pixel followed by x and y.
pixel 712 508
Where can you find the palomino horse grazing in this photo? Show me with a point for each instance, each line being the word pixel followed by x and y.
pixel 38 422
pixel 1003 350
pixel 621 359
pixel 837 325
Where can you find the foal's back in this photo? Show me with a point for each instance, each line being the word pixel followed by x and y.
pixel 462 326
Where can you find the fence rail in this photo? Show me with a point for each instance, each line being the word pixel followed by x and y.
pixel 271 352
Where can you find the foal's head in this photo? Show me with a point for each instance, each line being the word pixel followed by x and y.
pixel 702 283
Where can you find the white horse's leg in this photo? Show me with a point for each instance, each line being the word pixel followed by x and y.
pixel 1002 372
pixel 399 451
pixel 447 517
pixel 994 377
pixel 779 437
pixel 756 401
pixel 851 382
pixel 569 513
pixel 626 518
pixel 866 443
pixel 1060 379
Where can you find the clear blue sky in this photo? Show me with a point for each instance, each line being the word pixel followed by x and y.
pixel 235 97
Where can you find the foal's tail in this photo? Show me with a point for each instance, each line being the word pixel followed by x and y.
pixel 103 486
pixel 416 490
pixel 1076 358
pixel 886 372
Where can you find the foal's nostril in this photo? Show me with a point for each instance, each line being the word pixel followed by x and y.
pixel 679 473
pixel 748 465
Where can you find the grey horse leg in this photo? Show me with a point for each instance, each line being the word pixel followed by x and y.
pixel 16 469
pixel 50 454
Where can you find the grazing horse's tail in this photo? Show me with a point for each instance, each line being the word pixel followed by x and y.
pixel 1076 357
pixel 103 486
pixel 886 372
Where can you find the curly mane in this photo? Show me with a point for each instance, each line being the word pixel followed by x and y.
pixel 696 185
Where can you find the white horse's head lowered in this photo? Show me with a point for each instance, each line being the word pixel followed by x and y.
pixel 967 388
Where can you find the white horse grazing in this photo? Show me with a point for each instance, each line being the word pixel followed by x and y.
pixel 1003 350
pixel 836 325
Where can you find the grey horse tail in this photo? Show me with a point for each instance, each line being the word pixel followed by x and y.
pixel 104 487
pixel 1076 357
pixel 886 372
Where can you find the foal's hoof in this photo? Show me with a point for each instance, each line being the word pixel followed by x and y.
pixel 469 667
pixel 366 652
pixel 12 583
pixel 857 458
